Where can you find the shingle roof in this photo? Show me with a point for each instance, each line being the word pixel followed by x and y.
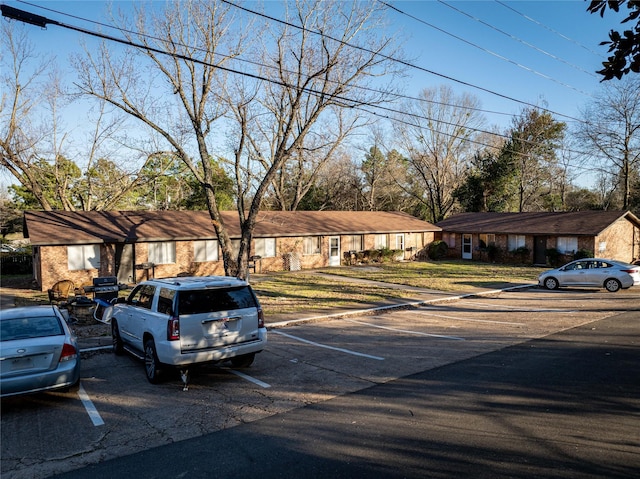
pixel 83 227
pixel 576 223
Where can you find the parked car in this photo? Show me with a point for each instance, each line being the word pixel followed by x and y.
pixel 38 351
pixel 185 321
pixel 592 272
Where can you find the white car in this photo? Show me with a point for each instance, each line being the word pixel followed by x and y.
pixel 592 272
pixel 184 321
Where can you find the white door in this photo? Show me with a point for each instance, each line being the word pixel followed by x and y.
pixel 466 246
pixel 334 251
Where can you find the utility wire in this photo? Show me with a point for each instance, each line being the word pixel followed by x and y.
pixel 561 35
pixel 405 63
pixel 513 37
pixel 349 103
pixel 256 63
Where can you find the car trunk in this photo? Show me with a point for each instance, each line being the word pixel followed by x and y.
pixel 32 356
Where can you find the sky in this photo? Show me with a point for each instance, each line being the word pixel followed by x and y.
pixel 507 53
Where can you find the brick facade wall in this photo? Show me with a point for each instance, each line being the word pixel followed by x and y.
pixel 52 261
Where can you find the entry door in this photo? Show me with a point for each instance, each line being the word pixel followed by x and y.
pixel 540 251
pixel 334 251
pixel 467 251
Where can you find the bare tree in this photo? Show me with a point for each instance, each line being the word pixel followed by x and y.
pixel 183 86
pixel 305 107
pixel 611 129
pixel 437 144
pixel 22 134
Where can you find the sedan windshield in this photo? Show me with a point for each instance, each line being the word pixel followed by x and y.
pixel 30 327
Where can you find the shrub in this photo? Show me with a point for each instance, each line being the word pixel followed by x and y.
pixel 553 256
pixel 437 250
pixel 583 253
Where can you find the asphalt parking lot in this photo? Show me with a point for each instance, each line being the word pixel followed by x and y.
pixel 117 412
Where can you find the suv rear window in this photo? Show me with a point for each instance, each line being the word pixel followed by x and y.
pixel 211 300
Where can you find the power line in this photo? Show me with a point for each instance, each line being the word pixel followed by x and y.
pixel 255 63
pixel 405 63
pixel 561 35
pixel 530 45
pixel 349 103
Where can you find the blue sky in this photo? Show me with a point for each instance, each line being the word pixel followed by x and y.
pixel 550 57
pixel 500 50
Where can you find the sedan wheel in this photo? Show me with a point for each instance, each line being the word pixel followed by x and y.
pixel 116 340
pixel 551 283
pixel 612 285
pixel 151 363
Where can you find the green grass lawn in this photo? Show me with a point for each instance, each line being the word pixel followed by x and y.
pixel 306 291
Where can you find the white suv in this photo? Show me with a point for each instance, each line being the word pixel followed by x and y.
pixel 179 322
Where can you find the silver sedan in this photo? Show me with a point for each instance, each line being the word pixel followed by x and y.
pixel 38 351
pixel 592 272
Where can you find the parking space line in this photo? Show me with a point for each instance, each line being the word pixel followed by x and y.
pixel 418 333
pixel 94 415
pixel 347 351
pixel 519 308
pixel 470 320
pixel 249 378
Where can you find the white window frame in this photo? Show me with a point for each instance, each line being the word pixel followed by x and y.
pixel 400 241
pixel 381 241
pixel 567 244
pixel 516 241
pixel 265 247
pixel 205 250
pixel 311 245
pixel 83 257
pixel 163 252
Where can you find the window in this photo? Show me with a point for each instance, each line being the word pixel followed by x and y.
pixel 450 239
pixel 162 253
pixel 567 244
pixel 206 250
pixel 83 257
pixel 515 242
pixel 213 300
pixel 165 300
pixel 380 242
pixel 142 296
pixel 312 245
pixel 265 247
pixel 353 242
pixel 400 242
pixel 487 239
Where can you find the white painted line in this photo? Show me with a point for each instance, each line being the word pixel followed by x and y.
pixel 469 320
pixel 519 308
pixel 328 347
pixel 94 415
pixel 405 330
pixel 249 378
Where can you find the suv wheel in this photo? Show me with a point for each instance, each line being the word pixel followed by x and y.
pixel 243 361
pixel 118 346
pixel 151 363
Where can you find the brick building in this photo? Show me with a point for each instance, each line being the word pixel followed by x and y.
pixel 528 237
pixel 133 245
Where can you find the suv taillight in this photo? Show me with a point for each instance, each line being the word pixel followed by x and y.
pixel 173 329
pixel 260 318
